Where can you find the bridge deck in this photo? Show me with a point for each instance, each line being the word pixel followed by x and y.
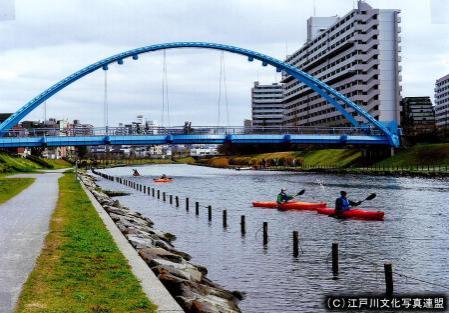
pixel 53 141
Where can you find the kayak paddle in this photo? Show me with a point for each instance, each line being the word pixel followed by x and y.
pixel 370 197
pixel 300 193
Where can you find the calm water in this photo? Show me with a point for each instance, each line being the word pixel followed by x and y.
pixel 414 235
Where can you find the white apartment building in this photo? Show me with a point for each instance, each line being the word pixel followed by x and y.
pixel 267 104
pixel 358 55
pixel 442 101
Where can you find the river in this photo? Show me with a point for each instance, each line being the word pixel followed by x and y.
pixel 414 236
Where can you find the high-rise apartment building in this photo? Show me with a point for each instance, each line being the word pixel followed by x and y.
pixel 358 55
pixel 442 101
pixel 267 105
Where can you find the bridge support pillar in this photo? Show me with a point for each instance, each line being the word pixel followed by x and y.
pixel 392 151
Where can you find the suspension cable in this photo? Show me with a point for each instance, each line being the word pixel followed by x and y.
pixel 225 89
pixel 220 75
pixel 163 87
pixel 105 102
pixel 45 111
pixel 165 98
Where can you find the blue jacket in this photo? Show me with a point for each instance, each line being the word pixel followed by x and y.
pixel 343 204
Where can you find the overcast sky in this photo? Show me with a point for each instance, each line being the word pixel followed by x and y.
pixel 47 40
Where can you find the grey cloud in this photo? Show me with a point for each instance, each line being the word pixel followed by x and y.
pixel 51 39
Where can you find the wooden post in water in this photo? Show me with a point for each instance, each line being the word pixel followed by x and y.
pixel 177 201
pixel 295 244
pixel 225 219
pixel 152 192
pixel 265 233
pixel 388 269
pixel 197 208
pixel 242 225
pixel 158 194
pixel 335 258
pixel 163 196
pixel 171 199
pixel 187 204
pixel 209 213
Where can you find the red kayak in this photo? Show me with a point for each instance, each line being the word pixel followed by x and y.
pixel 163 180
pixel 295 205
pixel 356 214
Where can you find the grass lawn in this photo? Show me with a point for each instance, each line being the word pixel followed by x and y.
pixel 59 163
pixel 13 164
pixel 9 187
pixel 421 154
pixel 80 268
pixel 332 157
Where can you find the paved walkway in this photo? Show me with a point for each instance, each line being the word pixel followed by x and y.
pixel 24 222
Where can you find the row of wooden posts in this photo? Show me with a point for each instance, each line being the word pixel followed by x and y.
pixel 158 194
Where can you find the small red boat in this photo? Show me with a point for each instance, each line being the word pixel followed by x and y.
pixel 294 205
pixel 355 214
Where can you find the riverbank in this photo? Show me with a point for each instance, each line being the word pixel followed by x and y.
pixel 80 267
pixel 10 164
pixel 429 160
pixel 187 282
pixel 108 163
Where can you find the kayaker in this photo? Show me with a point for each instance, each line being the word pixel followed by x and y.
pixel 283 197
pixel 163 176
pixel 343 204
pixel 135 173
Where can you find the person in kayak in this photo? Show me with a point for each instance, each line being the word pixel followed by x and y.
pixel 283 197
pixel 343 204
pixel 163 176
pixel 135 172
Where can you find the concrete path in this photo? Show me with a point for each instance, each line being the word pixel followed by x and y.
pixel 24 222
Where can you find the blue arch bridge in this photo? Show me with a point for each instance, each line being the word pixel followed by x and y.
pixel 370 132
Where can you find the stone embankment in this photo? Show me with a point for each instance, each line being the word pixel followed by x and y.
pixel 187 282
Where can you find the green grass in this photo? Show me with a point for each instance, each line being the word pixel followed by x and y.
pixel 58 164
pixel 421 154
pixel 326 157
pixel 10 164
pixel 332 157
pixel 80 268
pixel 185 160
pixel 10 187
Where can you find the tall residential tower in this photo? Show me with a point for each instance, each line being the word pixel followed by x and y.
pixel 267 105
pixel 442 101
pixel 358 55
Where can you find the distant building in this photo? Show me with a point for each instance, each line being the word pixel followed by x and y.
pixel 203 150
pixel 417 115
pixel 442 101
pixel 356 54
pixel 267 105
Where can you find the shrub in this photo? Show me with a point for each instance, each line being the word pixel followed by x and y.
pixel 219 162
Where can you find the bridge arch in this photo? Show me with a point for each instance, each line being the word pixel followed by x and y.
pixel 334 98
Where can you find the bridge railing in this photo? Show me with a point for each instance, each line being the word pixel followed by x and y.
pixel 182 130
